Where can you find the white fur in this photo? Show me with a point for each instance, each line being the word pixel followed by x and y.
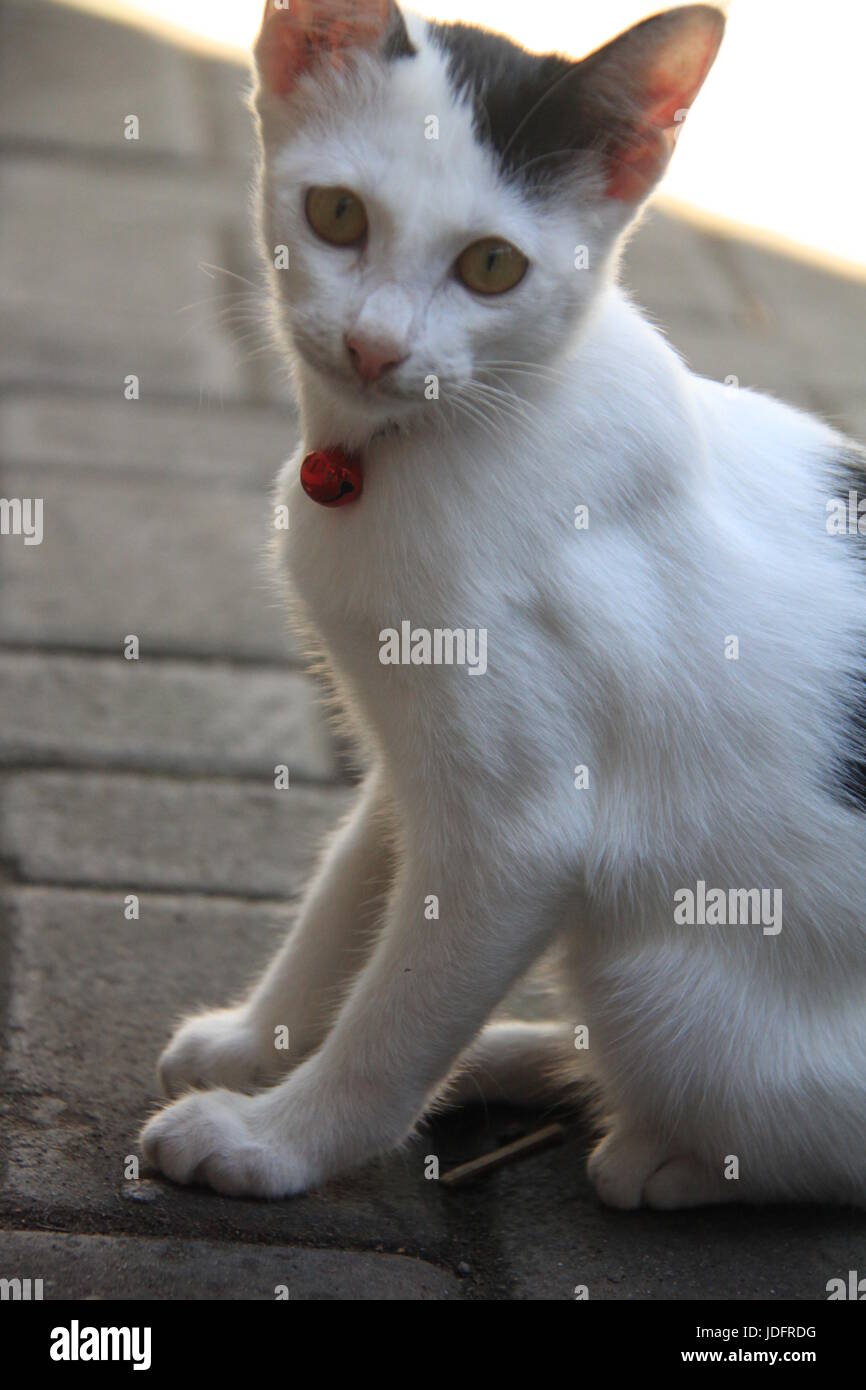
pixel 606 647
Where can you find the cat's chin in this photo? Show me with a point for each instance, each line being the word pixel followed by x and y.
pixel 365 410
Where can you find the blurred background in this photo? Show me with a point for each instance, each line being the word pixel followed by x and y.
pixel 147 861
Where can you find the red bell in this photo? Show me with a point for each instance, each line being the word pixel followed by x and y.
pixel 331 477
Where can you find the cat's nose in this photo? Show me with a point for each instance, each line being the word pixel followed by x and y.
pixel 373 357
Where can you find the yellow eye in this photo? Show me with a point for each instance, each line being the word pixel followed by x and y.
pixel 336 215
pixel 491 266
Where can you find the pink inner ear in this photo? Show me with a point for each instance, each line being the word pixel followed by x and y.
pixel 676 80
pixel 292 39
pixel 281 52
pixel 671 86
pixel 636 167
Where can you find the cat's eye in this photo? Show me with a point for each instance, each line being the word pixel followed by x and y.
pixel 491 266
pixel 336 215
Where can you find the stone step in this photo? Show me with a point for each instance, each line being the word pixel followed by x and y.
pixel 151 832
pixel 205 718
pixel 149 438
pixel 140 1267
pixel 118 286
pixel 70 78
pixel 184 567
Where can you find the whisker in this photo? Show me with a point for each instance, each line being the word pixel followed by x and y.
pixel 211 271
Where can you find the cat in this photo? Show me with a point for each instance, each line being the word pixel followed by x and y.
pixel 656 781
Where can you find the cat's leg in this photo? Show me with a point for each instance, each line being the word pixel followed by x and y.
pixel 423 994
pixel 631 1168
pixel 513 1063
pixel 303 987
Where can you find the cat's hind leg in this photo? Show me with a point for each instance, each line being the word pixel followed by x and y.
pixel 512 1063
pixel 686 1182
pixel 631 1168
pixel 620 1164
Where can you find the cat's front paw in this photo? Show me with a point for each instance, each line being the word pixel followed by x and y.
pixel 216 1049
pixel 219 1139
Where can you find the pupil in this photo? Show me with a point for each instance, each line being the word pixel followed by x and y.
pixel 342 206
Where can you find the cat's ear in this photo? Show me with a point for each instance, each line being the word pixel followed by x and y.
pixel 640 88
pixel 296 34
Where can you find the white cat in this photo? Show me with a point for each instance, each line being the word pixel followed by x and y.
pixel 657 772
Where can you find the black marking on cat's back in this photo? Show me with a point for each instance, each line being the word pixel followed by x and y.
pixel 849 466
pixel 525 104
pixel 848 471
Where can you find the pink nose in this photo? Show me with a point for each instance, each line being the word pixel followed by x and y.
pixel 372 358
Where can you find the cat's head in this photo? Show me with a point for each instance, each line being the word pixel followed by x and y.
pixel 440 206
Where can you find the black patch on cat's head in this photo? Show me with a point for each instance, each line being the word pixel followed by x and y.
pixel 396 43
pixel 525 105
pixel 543 115
pixel 612 113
